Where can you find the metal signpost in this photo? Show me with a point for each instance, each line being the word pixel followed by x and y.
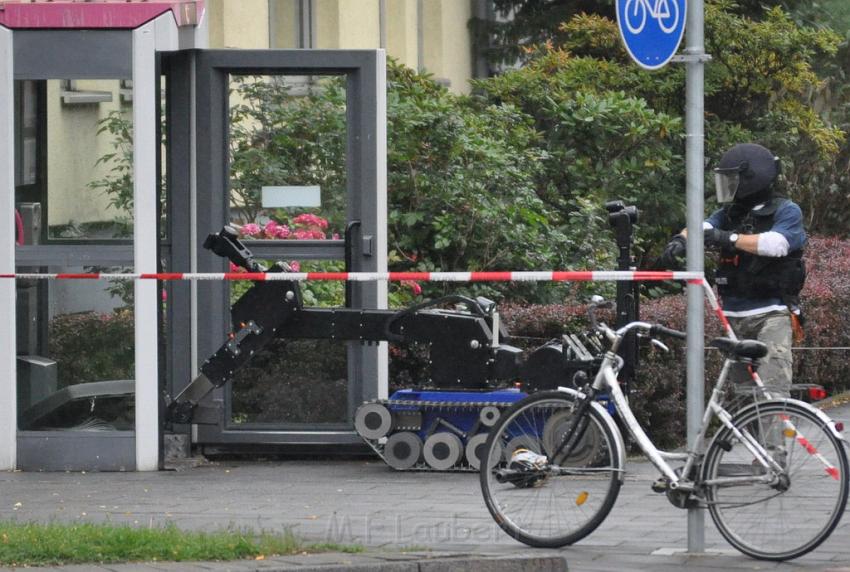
pixel 652 31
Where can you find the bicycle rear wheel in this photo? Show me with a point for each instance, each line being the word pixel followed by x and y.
pixel 800 508
pixel 559 500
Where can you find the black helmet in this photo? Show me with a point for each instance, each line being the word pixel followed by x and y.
pixel 744 172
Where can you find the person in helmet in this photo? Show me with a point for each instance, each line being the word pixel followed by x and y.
pixel 760 270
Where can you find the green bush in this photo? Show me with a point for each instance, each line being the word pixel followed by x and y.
pixel 93 346
pixel 293 381
pixel 762 85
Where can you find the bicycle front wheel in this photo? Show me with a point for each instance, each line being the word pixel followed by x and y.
pixel 538 496
pixel 774 514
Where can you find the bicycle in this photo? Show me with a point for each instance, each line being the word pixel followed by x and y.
pixel 636 11
pixel 774 476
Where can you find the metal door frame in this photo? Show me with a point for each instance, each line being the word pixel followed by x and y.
pixel 127 53
pixel 198 162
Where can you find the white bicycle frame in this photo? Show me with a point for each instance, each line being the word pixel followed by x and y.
pixel 606 381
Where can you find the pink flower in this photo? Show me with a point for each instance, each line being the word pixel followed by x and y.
pixel 301 234
pixel 234 268
pixel 282 231
pixel 251 229
pixel 317 234
pixel 295 265
pixel 308 219
pixel 414 286
pixel 336 236
pixel 270 229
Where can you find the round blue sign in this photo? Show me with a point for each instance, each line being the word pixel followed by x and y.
pixel 651 29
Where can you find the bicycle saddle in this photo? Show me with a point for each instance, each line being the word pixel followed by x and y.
pixel 752 349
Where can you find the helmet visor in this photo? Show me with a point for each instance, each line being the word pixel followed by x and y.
pixel 726 184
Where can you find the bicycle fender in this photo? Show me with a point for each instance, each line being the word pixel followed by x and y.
pixel 829 422
pixel 609 421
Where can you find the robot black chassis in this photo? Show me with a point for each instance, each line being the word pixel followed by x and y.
pixel 468 349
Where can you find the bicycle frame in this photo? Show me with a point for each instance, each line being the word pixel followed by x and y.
pixel 606 380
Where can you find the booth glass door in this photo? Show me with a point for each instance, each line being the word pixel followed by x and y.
pixel 74 214
pixel 287 188
pixel 288 152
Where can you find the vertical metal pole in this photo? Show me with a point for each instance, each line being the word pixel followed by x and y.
pixel 694 158
pixel 145 149
pixel 8 377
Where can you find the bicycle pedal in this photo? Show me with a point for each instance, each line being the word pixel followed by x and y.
pixel 660 486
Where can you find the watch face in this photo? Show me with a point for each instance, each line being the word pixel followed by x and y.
pixel 733 238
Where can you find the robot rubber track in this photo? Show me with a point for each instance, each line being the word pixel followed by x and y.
pixel 439 435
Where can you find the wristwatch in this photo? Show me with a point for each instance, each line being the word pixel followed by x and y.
pixel 733 238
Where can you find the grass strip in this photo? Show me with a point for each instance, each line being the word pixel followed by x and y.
pixel 34 544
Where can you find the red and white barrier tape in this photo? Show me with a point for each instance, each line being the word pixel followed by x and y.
pixel 546 276
pixel 492 276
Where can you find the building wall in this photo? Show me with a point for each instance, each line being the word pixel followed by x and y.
pixel 447 42
pixel 402 31
pixel 73 148
pixel 283 16
pixel 438 27
pixel 242 24
pixel 347 24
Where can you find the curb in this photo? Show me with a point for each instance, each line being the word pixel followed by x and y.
pixel 475 564
pixel 339 562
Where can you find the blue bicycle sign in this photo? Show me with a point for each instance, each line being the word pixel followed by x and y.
pixel 651 29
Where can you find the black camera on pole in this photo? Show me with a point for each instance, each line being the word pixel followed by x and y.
pixel 622 219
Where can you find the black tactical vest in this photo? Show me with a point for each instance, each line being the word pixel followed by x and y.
pixel 744 275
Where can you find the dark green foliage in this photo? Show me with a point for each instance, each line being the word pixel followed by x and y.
pixel 90 346
pixel 759 87
pixel 276 136
pixel 293 381
pixel 520 25
pixel 118 183
pixel 462 185
pixel 461 173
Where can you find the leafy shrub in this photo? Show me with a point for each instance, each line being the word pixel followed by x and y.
pixel 762 86
pixel 461 188
pixel 293 381
pixel 92 346
pixel 279 137
pixel 826 305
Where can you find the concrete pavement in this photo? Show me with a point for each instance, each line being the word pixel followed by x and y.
pixel 409 518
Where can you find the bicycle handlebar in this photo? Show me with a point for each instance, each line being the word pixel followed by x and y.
pixel 651 329
pixel 658 329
